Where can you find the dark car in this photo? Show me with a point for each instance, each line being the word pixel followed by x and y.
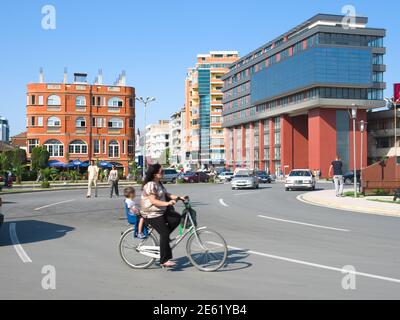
pixel 348 178
pixel 263 177
pixel 194 177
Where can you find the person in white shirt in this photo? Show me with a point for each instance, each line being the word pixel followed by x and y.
pixel 113 181
pixel 93 175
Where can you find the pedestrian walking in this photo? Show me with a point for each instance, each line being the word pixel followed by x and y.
pixel 337 166
pixel 93 176
pixel 113 181
pixel 106 174
pixel 40 176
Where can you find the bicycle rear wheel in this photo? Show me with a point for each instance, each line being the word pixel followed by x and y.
pixel 129 247
pixel 207 250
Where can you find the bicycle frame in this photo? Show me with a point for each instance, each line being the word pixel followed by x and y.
pixel 154 251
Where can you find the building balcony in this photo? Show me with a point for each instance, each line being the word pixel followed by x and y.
pixel 384 133
pixel 80 108
pixel 54 130
pixel 53 108
pixel 80 130
pixel 114 109
pixel 114 130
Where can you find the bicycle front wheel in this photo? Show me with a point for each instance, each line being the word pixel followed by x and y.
pixel 129 249
pixel 207 250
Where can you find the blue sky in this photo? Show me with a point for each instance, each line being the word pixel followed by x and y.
pixel 154 41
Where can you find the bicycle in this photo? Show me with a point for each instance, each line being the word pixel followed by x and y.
pixel 205 248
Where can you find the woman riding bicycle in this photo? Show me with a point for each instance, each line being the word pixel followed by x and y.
pixel 156 213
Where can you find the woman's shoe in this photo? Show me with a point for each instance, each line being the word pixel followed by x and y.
pixel 168 264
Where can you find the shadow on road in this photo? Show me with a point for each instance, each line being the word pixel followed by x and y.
pixel 235 261
pixel 30 231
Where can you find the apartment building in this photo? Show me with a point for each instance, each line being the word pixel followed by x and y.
pixel 82 121
pixel 286 104
pixel 158 142
pixel 203 109
pixel 177 136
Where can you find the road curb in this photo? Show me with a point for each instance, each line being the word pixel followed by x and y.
pixel 61 189
pixel 375 211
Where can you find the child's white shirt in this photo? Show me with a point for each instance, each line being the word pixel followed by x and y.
pixel 131 206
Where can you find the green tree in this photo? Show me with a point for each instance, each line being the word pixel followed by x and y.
pixel 39 158
pixel 19 161
pixel 134 170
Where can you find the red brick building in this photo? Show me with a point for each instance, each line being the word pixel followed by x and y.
pixel 82 121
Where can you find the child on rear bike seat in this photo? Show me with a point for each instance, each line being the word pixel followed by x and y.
pixel 130 195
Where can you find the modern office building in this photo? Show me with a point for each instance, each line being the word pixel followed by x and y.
pixel 4 130
pixel 203 108
pixel 82 121
pixel 286 104
pixel 157 142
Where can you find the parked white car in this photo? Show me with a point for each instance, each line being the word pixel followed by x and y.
pixel 300 179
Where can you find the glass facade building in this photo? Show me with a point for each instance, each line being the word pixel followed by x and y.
pixel 296 91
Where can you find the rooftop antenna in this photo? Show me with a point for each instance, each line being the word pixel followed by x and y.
pixel 41 75
pixel 65 75
pixel 123 78
pixel 100 77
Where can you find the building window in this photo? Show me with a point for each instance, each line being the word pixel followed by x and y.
pixel 32 122
pixel 131 147
pixel 40 122
pixel 54 100
pixel 131 123
pixel 113 149
pixel 96 146
pixel 40 100
pixel 78 147
pixel 115 123
pixel 123 146
pixel 99 101
pixel 55 148
pixel 53 122
pixel 104 147
pixel 32 143
pixel 131 102
pixel 80 122
pixel 115 102
pixel 80 101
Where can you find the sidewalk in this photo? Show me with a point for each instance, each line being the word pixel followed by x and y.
pixel 327 198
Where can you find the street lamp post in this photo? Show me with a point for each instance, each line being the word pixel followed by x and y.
pixel 363 126
pixel 354 117
pixel 145 103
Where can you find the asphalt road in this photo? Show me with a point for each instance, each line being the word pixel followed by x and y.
pixel 280 248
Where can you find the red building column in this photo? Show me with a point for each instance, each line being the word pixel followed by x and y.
pixel 286 144
pixel 261 145
pixel 322 139
pixel 271 145
pixel 243 128
pixel 300 142
pixel 234 148
pixel 252 145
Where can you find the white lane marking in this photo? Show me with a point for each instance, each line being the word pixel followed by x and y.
pixel 304 224
pixel 17 246
pixel 221 201
pixel 316 265
pixel 245 193
pixel 53 204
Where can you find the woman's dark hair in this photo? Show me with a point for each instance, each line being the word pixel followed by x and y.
pixel 150 173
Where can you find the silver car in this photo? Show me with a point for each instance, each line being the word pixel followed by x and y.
pixel 170 175
pixel 244 181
